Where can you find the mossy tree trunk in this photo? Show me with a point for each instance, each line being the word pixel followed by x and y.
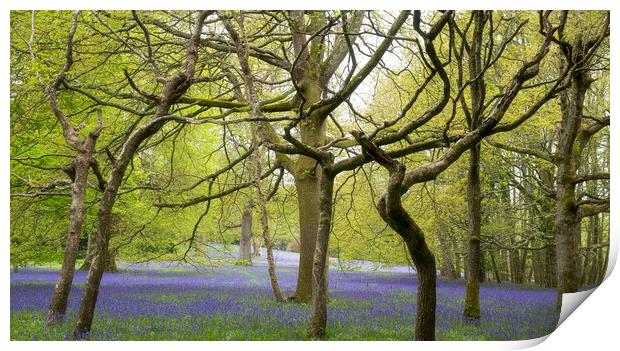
pixel 471 309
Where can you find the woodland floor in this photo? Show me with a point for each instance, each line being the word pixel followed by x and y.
pixel 228 302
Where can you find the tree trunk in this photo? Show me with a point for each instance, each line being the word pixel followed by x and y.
pixel 58 305
pixel 550 266
pixel 472 291
pixel 101 260
pixel 110 265
pixel 567 247
pixel 593 259
pixel 604 256
pixel 308 189
pixel 567 229
pixel 264 220
pixel 457 259
pixel 255 111
pixel 471 309
pixel 172 89
pixel 245 242
pixel 498 279
pixel 90 251
pixel 447 262
pixel 523 266
pixel 391 210
pixel 307 174
pixel 256 245
pixel 318 307
pixel 516 266
pixel 271 264
pixel 78 172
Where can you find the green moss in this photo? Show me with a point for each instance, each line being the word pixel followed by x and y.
pixel 243 262
pixel 472 301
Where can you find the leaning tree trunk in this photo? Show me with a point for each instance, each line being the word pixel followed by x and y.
pixel 318 306
pixel 78 172
pixel 245 243
pixel 95 273
pixel 271 264
pixel 173 88
pixel 391 210
pixel 58 306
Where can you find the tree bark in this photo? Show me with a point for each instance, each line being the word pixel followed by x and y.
pixel 110 265
pixel 308 190
pixel 245 242
pixel 471 308
pixel 318 306
pixel 391 210
pixel 78 172
pixel 264 219
pixel 58 305
pixel 255 111
pixel 567 230
pixel 447 262
pixel 256 246
pixel 572 139
pixel 95 273
pixel 498 279
pixel 472 292
pixel 90 251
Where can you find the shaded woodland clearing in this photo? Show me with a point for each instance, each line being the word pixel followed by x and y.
pixel 468 143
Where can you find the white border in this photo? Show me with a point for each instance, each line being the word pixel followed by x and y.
pixel 594 324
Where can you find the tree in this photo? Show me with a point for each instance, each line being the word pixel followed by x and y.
pixel 241 44
pixel 578 59
pixel 573 135
pixel 77 170
pixel 173 88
